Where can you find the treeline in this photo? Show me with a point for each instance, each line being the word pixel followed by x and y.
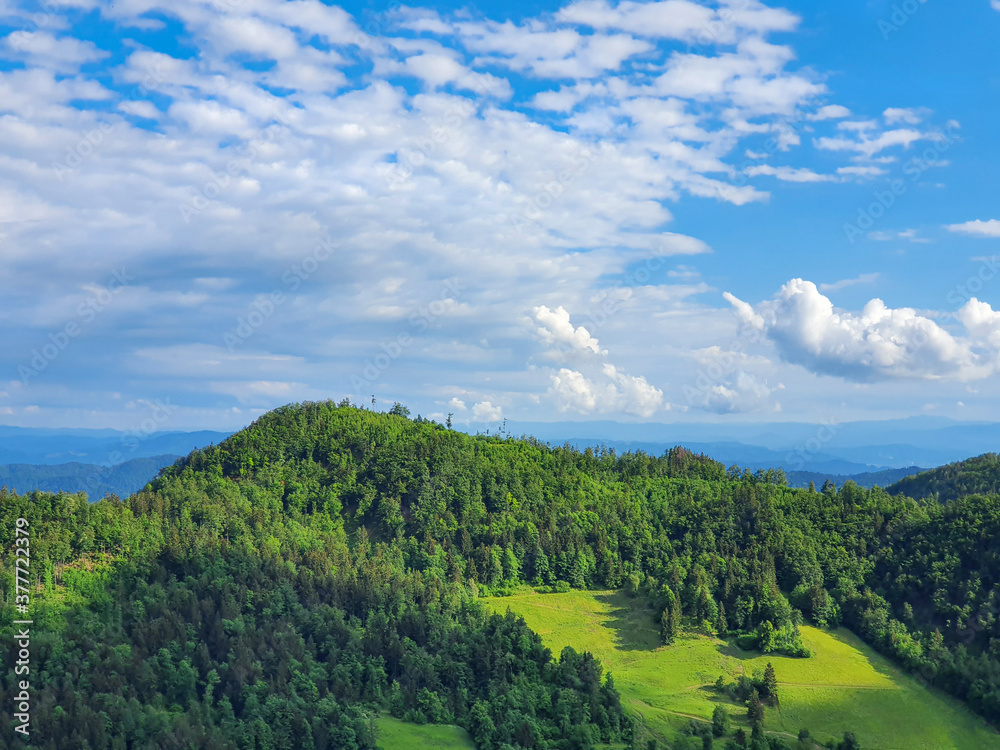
pixel 281 588
pixel 974 476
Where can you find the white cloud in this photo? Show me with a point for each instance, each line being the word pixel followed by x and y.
pixel 559 53
pixel 673 19
pixel 679 19
pixel 871 146
pixel 615 392
pixel 555 329
pixel 790 174
pixel 859 171
pixel 911 116
pixel 231 162
pixel 633 394
pixel 40 48
pixel 830 112
pixel 910 235
pixel 879 343
pixel 977 228
pixel 865 278
pixel 742 393
pixel 485 411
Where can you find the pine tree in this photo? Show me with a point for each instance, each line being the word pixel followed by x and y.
pixel 720 721
pixel 721 624
pixel 668 625
pixel 770 685
pixel 670 618
pixel 755 709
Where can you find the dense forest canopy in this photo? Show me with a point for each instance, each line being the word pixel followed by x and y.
pixel 979 475
pixel 281 588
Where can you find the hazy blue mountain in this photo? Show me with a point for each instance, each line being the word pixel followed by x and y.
pixel 97 481
pixel 23 445
pixel 744 456
pixel 846 448
pixel 866 479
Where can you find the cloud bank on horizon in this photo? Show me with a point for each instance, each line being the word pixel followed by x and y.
pixel 233 204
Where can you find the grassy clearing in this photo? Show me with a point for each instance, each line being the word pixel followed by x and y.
pixel 844 686
pixel 394 734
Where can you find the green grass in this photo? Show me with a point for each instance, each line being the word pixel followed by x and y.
pixel 394 734
pixel 844 686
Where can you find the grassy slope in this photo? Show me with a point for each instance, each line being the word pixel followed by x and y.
pixel 394 734
pixel 845 686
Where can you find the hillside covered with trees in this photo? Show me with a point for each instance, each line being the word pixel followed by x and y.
pixel 280 589
pixel 979 475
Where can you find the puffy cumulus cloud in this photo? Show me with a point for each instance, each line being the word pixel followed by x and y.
pixel 977 228
pixel 613 392
pixel 879 343
pixel 601 387
pixel 555 329
pixel 485 411
pixel 633 393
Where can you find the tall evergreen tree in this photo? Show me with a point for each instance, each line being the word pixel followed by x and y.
pixel 770 685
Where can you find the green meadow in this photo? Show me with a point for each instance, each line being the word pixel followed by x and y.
pixel 394 734
pixel 844 686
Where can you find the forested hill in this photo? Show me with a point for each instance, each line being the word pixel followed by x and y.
pixel 281 588
pixel 975 475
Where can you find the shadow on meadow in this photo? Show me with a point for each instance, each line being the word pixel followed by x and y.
pixel 633 622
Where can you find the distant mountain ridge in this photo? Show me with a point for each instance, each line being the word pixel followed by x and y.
pixel 97 481
pixel 844 448
pixel 866 479
pixel 26 445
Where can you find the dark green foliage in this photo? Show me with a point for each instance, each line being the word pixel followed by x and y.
pixel 974 476
pixel 720 721
pixel 324 564
pixel 670 619
pixel 755 709
pixel 769 691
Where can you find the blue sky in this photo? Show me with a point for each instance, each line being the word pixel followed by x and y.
pixel 669 211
